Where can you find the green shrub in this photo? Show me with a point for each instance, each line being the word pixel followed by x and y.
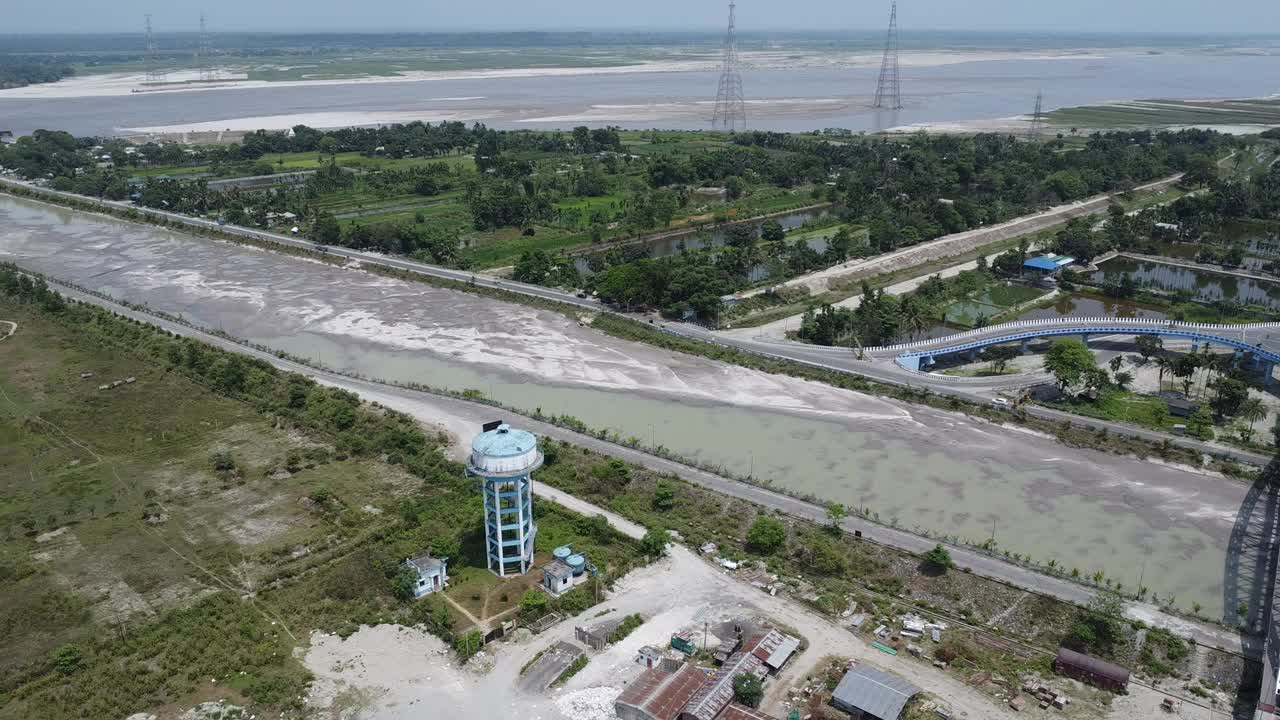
pixel 939 558
pixel 534 604
pixel 404 584
pixel 468 645
pixel 625 628
pixel 67 659
pixel 654 543
pixel 766 535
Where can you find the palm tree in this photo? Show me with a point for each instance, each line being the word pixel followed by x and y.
pixel 913 317
pixel 1123 379
pixel 1184 367
pixel 1165 365
pixel 1252 410
pixel 1209 363
pixel 1116 363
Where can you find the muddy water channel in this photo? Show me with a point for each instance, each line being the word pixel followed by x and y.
pixel 676 243
pixel 921 468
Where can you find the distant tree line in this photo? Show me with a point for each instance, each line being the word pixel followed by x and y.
pixel 21 70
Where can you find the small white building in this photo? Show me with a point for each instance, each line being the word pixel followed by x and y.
pixel 565 572
pixel 433 574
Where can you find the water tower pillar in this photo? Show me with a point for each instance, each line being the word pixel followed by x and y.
pixel 504 459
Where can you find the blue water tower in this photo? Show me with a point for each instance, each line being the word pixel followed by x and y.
pixel 504 458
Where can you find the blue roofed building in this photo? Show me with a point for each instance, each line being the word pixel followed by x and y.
pixel 1047 265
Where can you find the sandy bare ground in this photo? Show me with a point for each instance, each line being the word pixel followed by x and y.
pixel 395 673
pixel 404 674
pixel 110 84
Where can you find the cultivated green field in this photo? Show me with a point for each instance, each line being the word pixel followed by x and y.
pixel 1160 113
pixel 291 162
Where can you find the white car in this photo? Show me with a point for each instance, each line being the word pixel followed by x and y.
pixel 1001 403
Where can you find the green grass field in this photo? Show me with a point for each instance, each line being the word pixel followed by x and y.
pixel 291 162
pixel 82 467
pixel 185 544
pixel 1159 113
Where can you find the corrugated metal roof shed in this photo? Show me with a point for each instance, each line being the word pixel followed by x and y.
pixel 712 697
pixel 773 648
pixel 873 691
pixel 782 652
pixel 1049 262
pixel 762 646
pixel 661 695
pixel 742 712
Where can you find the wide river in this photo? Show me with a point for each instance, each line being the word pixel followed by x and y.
pixel 924 468
pixel 778 98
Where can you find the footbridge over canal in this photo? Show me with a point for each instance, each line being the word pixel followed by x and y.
pixel 1257 342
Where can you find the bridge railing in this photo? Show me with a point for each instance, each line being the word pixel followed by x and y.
pixel 1083 323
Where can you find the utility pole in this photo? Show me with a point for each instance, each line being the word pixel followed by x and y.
pixel 731 109
pixel 889 87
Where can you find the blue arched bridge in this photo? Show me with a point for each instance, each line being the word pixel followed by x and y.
pixel 1261 341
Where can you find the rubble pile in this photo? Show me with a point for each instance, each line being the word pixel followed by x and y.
pixel 1040 693
pixel 588 703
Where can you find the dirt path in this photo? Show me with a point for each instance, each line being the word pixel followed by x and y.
pixel 456 606
pixel 13 329
pixel 626 527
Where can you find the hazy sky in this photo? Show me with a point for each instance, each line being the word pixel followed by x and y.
pixel 1192 16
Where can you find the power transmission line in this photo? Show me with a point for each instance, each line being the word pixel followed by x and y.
pixel 1037 120
pixel 154 73
pixel 731 108
pixel 203 53
pixel 889 88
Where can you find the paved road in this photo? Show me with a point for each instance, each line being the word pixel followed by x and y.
pixel 880 368
pixel 429 408
pixel 957 243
